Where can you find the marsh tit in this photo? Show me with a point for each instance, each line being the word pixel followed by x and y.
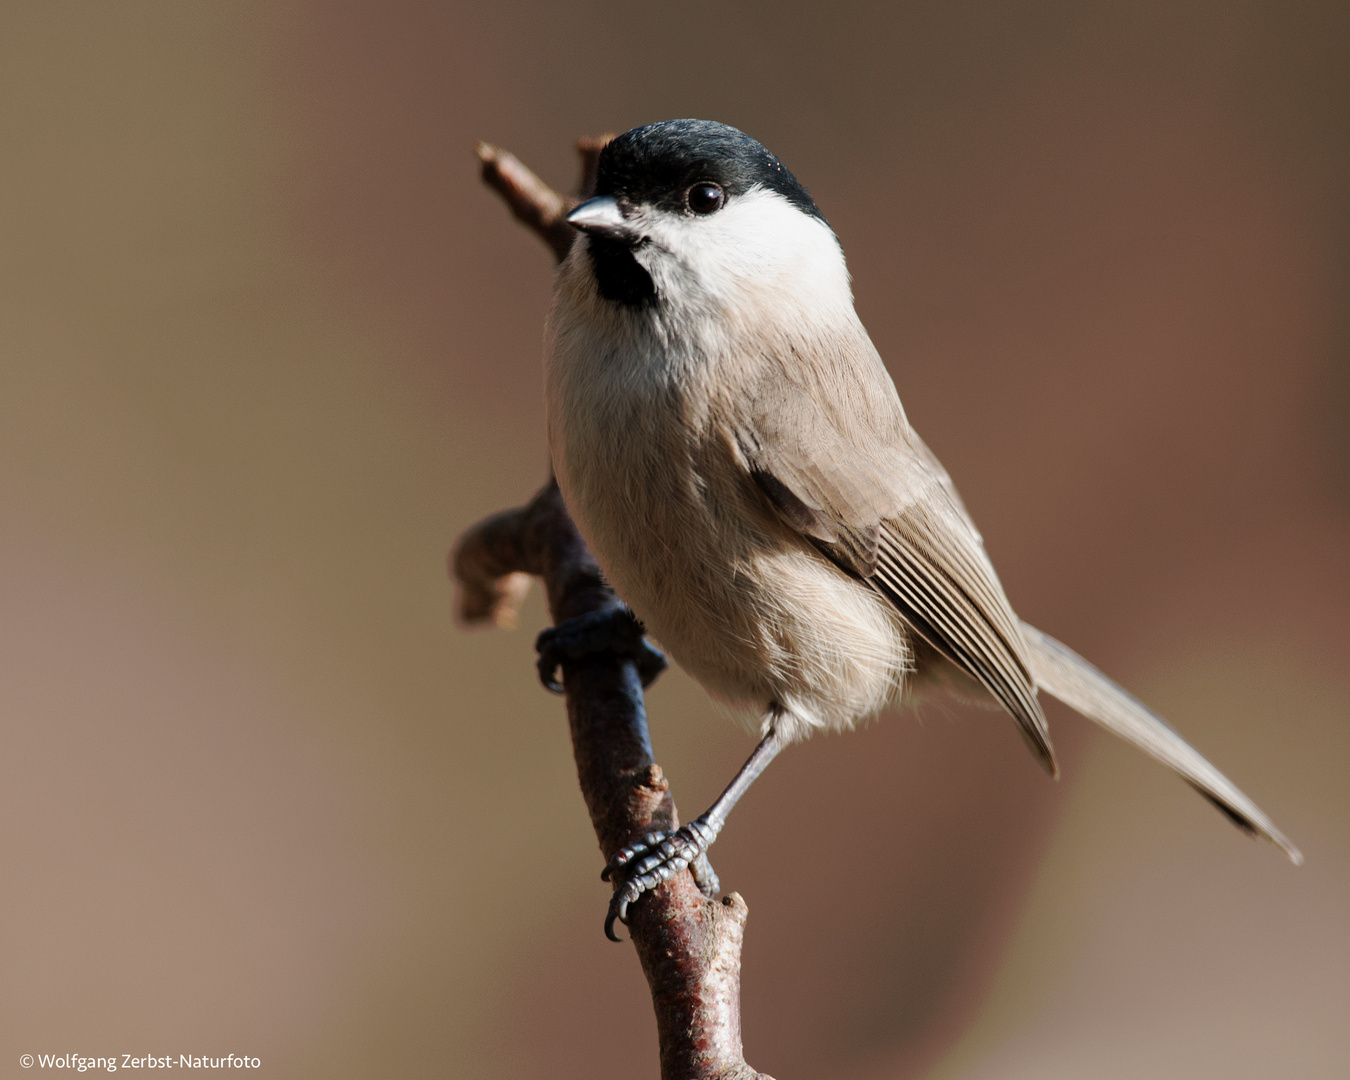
pixel 734 452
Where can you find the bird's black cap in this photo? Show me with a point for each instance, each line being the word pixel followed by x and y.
pixel 657 163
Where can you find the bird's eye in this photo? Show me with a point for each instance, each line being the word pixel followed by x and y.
pixel 705 198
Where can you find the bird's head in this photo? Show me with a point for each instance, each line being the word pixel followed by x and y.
pixel 695 216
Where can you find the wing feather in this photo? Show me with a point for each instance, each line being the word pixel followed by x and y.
pixel 942 600
pixel 871 497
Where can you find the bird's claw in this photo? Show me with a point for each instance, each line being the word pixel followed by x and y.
pixel 614 630
pixel 656 858
pixel 705 877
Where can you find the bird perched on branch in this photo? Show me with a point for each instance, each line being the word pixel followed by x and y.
pixel 734 452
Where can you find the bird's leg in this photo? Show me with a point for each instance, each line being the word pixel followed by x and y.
pixel 663 854
pixel 614 630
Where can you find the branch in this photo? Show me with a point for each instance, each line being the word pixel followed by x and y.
pixel 533 202
pixel 689 946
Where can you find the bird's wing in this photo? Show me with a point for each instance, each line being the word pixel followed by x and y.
pixel 1066 675
pixel 869 495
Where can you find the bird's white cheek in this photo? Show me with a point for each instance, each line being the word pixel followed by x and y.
pixel 759 251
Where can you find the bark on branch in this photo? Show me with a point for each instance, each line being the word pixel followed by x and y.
pixel 689 947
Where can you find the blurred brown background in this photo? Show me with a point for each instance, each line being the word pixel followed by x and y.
pixel 267 347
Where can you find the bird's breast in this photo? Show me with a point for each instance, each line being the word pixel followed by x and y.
pixel 644 482
pixel 740 600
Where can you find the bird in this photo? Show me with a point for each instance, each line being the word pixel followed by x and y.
pixel 735 454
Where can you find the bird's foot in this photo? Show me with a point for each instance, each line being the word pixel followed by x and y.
pixel 657 857
pixel 705 877
pixel 615 630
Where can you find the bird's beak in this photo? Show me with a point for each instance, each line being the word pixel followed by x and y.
pixel 601 216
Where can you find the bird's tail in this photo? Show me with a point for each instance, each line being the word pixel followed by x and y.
pixel 1063 673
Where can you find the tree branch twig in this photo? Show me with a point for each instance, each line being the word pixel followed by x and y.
pixel 689 946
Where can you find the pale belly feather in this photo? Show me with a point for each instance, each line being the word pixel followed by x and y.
pixel 747 607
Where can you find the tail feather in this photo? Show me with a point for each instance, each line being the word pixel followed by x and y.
pixel 1066 675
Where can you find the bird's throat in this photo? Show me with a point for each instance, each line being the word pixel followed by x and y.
pixel 619 276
